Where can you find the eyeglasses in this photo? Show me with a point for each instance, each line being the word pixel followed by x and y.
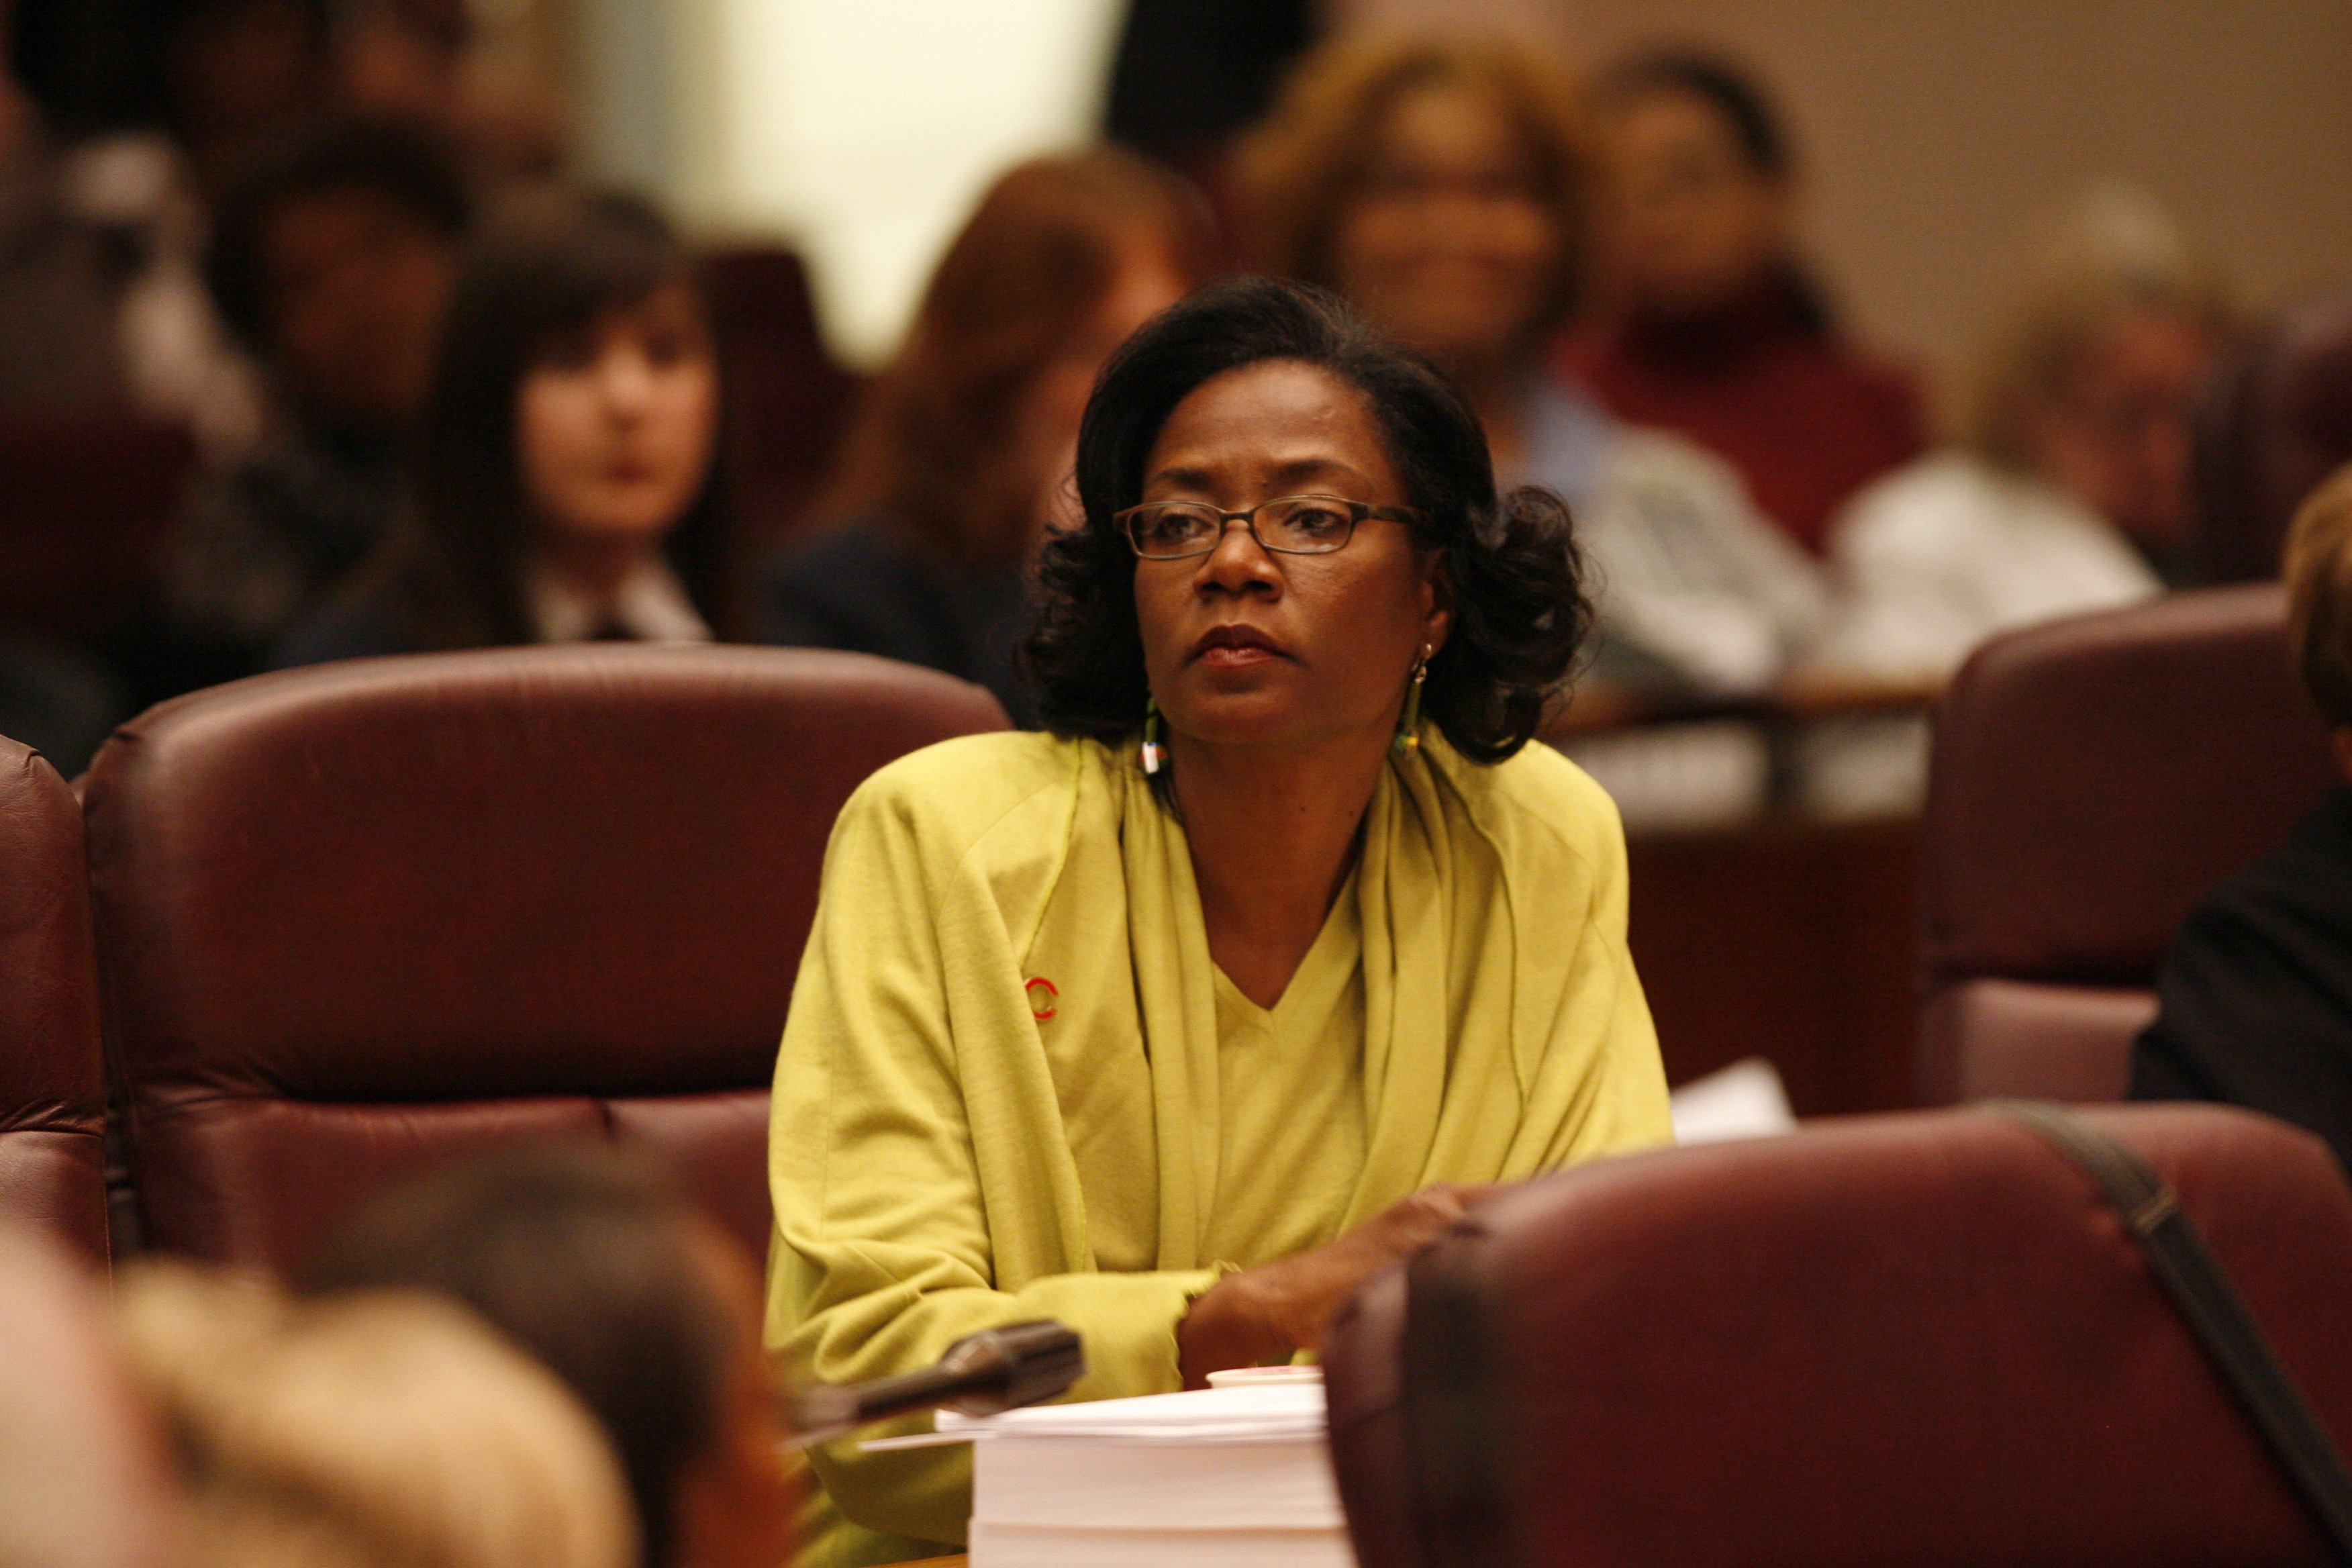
pixel 1288 525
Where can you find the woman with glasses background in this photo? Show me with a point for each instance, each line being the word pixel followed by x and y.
pixel 1178 1020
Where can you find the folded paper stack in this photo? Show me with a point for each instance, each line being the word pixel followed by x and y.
pixel 1227 1478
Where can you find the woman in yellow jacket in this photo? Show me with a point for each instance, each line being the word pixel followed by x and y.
pixel 1179 1020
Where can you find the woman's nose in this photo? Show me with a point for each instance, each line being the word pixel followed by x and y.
pixel 1239 561
pixel 626 381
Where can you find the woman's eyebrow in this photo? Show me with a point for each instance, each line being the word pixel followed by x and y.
pixel 1296 470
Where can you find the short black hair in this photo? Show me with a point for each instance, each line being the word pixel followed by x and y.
pixel 1723 87
pixel 1520 612
pixel 581 1255
pixel 405 164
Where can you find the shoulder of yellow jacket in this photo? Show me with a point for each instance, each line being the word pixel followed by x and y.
pixel 952 793
pixel 1539 798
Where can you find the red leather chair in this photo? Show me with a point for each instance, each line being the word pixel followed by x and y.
pixel 52 1088
pixel 2093 779
pixel 2276 421
pixel 359 917
pixel 1921 1339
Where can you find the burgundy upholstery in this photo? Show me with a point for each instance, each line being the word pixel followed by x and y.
pixel 2092 780
pixel 1921 1339
pixel 358 917
pixel 52 1088
pixel 2277 420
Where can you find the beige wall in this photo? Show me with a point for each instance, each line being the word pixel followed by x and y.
pixel 1936 135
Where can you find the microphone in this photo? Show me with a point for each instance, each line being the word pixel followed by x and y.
pixel 981 1375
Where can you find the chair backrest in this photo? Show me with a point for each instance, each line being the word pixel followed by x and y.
pixel 2276 421
pixel 1922 1338
pixel 52 1088
pixel 359 917
pixel 2093 779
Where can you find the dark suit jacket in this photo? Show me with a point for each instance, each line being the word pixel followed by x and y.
pixel 863 587
pixel 2256 994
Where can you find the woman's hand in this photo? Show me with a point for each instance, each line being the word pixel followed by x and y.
pixel 1265 1314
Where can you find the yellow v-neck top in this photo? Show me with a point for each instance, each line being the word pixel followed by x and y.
pixel 1014 1085
pixel 1292 1102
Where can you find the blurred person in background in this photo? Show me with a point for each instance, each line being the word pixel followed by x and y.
pixel 596 1264
pixel 961 453
pixel 1709 323
pixel 418 61
pixel 384 1431
pixel 1442 186
pixel 564 487
pixel 2072 493
pixel 84 1481
pixel 2255 998
pixel 333 267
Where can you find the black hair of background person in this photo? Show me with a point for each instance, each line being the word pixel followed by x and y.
pixel 93 66
pixel 1190 73
pixel 98 66
pixel 404 163
pixel 579 1255
pixel 1755 125
pixel 1520 610
pixel 451 575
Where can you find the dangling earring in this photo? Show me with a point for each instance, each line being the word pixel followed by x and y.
pixel 1154 754
pixel 1408 735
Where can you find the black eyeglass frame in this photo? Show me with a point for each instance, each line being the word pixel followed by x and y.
pixel 1356 511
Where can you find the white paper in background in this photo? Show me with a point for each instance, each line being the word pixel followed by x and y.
pixel 865 130
pixel 1742 1100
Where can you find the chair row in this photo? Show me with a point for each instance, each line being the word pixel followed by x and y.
pixel 347 918
pixel 306 931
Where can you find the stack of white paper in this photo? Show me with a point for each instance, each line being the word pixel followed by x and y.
pixel 1227 1478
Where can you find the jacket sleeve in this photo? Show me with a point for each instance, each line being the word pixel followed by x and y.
pixel 882 1255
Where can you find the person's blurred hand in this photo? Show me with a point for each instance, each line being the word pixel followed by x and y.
pixel 1267 1314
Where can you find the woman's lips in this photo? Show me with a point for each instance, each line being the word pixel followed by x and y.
pixel 1236 647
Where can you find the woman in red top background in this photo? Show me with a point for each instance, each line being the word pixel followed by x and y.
pixel 1713 328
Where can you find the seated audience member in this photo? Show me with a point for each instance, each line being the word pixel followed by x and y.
pixel 1177 1022
pixel 2256 995
pixel 564 486
pixel 2074 493
pixel 1441 186
pixel 380 1432
pixel 413 60
pixel 650 1313
pixel 955 465
pixel 1710 325
pixel 333 267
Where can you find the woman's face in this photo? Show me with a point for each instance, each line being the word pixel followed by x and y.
pixel 1448 244
pixel 1688 223
pixel 2117 432
pixel 615 424
pixel 1245 647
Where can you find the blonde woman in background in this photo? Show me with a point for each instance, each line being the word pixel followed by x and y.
pixel 378 1431
pixel 2073 491
pixel 2071 494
